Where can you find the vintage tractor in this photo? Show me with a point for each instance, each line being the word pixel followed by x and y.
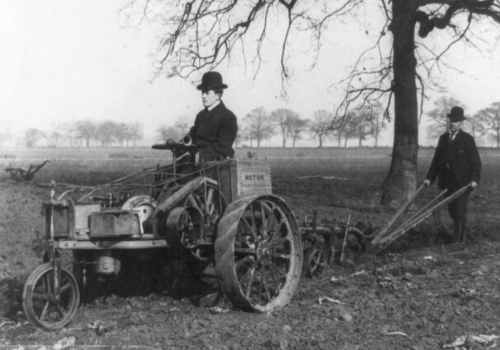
pixel 219 219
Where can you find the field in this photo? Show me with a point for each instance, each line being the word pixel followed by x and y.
pixel 420 294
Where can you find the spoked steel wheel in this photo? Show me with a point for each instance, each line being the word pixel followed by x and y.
pixel 315 262
pixel 212 204
pixel 50 299
pixel 258 253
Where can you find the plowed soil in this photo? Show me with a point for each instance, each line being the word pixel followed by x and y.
pixel 424 292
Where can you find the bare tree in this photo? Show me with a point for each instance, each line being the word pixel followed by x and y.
pixel 86 130
pixel 68 132
pixel 297 127
pixel 320 126
pixel 438 122
pixel 259 124
pixel 245 134
pixel 378 121
pixel 135 132
pixel 350 128
pixel 32 136
pixel 120 133
pixel 283 118
pixel 203 34
pixel 163 133
pixel 55 136
pixel 183 124
pixel 490 117
pixel 359 123
pixel 476 126
pixel 106 132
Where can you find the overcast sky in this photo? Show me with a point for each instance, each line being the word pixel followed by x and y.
pixel 62 61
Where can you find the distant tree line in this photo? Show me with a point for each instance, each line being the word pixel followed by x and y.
pixel 360 124
pixel 86 133
pixel 483 124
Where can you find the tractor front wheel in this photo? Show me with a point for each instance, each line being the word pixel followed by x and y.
pixel 50 298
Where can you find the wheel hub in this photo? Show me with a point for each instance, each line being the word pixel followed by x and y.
pixel 264 252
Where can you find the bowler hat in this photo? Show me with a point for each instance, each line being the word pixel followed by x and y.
pixel 211 81
pixel 456 114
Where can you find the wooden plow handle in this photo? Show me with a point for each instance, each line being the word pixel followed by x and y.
pixel 384 229
pixel 383 238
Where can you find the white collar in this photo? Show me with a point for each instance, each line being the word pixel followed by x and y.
pixel 213 106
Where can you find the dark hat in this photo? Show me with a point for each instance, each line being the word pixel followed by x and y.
pixel 456 114
pixel 211 81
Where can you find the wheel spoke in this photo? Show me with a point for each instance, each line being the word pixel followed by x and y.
pixel 210 207
pixel 268 293
pixel 42 296
pixel 46 285
pixel 246 259
pixel 249 227
pixel 44 311
pixel 248 251
pixel 200 203
pixel 253 224
pixel 264 222
pixel 251 274
pixel 192 201
pixel 282 256
pixel 273 276
pixel 64 288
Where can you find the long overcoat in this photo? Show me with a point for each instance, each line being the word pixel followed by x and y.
pixel 456 162
pixel 214 132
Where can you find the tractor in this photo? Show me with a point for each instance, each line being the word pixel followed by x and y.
pixel 218 218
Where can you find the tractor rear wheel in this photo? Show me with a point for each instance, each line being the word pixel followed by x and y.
pixel 258 253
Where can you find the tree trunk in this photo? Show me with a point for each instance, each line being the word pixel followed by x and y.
pixel 401 180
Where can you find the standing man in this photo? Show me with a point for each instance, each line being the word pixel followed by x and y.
pixel 456 163
pixel 215 127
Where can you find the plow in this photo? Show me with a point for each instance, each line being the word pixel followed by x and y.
pixel 216 221
pixel 319 240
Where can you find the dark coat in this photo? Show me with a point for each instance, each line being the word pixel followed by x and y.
pixel 214 133
pixel 456 162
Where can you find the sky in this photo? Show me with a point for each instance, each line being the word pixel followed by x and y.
pixel 63 61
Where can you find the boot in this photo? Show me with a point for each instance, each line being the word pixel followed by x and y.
pixel 459 231
pixel 462 237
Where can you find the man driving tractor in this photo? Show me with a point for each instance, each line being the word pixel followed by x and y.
pixel 215 127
